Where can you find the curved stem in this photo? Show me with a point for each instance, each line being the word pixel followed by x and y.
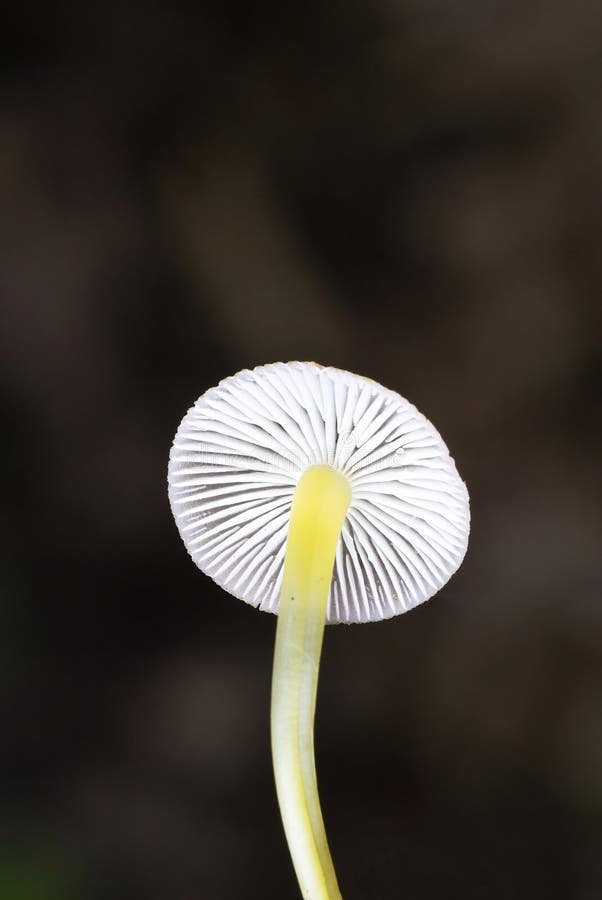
pixel 318 511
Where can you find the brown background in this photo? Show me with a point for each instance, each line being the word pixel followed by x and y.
pixel 411 190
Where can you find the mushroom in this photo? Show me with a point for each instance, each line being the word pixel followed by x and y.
pixel 323 497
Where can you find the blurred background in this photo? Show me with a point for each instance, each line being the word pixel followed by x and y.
pixel 410 190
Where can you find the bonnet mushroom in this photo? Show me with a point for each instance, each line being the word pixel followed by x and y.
pixel 323 497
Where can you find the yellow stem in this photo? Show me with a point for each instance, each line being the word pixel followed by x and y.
pixel 318 511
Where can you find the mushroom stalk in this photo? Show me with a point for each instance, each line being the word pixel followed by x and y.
pixel 319 507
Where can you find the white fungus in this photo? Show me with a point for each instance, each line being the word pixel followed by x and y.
pixel 240 451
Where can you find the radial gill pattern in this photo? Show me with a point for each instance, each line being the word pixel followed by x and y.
pixel 240 451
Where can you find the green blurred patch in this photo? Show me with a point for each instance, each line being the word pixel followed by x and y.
pixel 28 873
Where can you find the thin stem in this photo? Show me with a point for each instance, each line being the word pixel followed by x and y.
pixel 318 511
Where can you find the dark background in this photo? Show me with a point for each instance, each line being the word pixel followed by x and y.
pixel 410 190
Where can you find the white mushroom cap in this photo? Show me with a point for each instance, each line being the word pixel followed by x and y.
pixel 240 451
